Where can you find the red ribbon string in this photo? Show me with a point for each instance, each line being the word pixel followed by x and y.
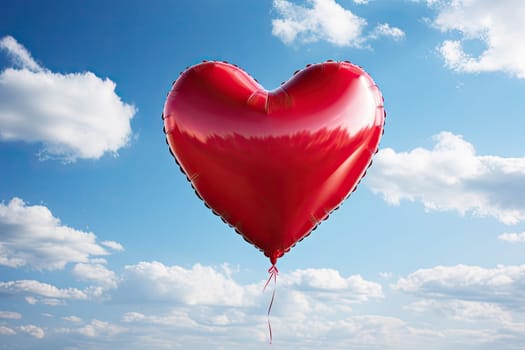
pixel 273 275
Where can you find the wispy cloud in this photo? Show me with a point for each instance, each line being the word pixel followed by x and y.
pixel 74 319
pixel 75 115
pixel 363 331
pixel 20 56
pixel 113 245
pixel 513 237
pixel 461 310
pixel 10 315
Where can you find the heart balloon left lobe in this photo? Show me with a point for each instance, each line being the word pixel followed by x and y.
pixel 274 164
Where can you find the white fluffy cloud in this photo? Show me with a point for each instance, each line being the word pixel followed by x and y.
pixel 451 176
pixel 498 25
pixel 352 289
pixel 502 285
pixel 32 287
pixel 31 236
pixel 32 330
pixel 36 292
pixel 206 285
pixel 324 20
pixel 72 318
pixel 210 301
pixel 478 306
pixel 200 285
pixel 6 331
pixel 97 273
pixel 513 237
pixel 95 329
pixel 387 30
pixel 75 115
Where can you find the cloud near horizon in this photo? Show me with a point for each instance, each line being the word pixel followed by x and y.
pixel 315 304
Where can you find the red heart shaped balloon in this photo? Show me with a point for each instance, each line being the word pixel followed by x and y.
pixel 273 164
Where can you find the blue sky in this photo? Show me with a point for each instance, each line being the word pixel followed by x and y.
pixel 104 245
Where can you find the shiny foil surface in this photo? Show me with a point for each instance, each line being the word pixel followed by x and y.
pixel 274 164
